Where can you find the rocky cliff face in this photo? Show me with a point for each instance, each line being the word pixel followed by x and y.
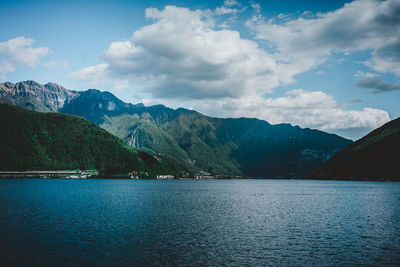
pixel 35 96
pixel 93 104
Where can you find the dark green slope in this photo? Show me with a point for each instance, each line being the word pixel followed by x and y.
pixel 278 150
pixel 242 146
pixel 373 157
pixel 52 141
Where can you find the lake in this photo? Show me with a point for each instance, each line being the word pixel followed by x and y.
pixel 198 222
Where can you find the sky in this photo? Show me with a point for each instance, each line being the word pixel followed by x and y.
pixel 328 65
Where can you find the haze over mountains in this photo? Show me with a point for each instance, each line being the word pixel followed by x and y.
pixel 242 146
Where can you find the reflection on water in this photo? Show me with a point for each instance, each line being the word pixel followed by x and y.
pixel 199 222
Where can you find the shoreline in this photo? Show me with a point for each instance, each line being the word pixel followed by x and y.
pixel 188 178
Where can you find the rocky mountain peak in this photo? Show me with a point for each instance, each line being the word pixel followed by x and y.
pixel 49 97
pixel 6 88
pixel 55 87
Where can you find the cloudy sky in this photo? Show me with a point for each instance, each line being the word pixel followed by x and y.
pixel 330 65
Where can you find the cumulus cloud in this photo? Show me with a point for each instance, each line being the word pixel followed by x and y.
pixel 223 10
pixel 181 56
pixel 228 8
pixel 314 109
pixel 375 83
pixel 94 74
pixel 19 51
pixel 304 43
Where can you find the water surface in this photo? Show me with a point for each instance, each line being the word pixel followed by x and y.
pixel 198 222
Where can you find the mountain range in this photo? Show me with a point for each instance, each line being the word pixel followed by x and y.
pixel 240 146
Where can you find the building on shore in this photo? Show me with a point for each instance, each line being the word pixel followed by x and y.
pixel 72 174
pixel 167 176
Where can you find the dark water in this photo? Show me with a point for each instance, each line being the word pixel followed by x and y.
pixel 198 222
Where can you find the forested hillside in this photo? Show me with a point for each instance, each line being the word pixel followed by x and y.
pixel 52 141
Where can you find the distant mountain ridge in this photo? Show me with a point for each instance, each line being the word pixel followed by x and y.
pixel 249 147
pixel 96 103
pixel 373 157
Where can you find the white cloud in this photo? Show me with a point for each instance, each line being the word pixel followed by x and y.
pixel 5 67
pixel 314 109
pixel 21 51
pixel 304 43
pixel 17 51
pixel 55 64
pixel 231 3
pixel 95 74
pixel 227 10
pixel 256 7
pixel 385 64
pixel 181 56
